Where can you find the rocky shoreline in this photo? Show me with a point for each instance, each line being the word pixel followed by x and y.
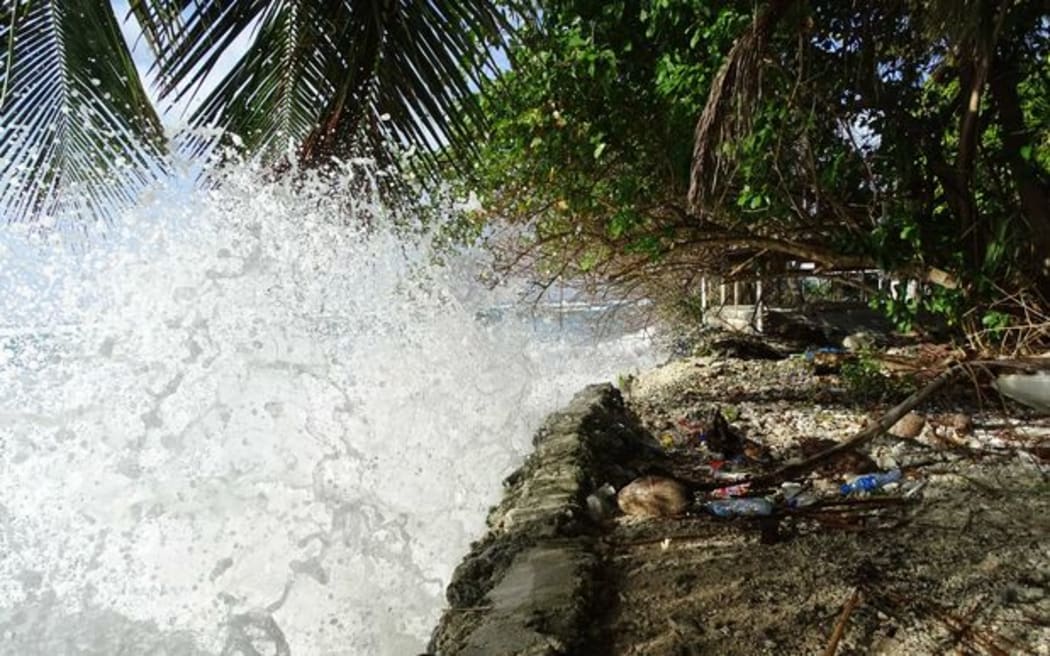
pixel 954 557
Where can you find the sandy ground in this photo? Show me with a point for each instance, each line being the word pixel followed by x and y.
pixel 954 559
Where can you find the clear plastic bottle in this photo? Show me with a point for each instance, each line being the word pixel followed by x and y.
pixel 869 482
pixel 745 507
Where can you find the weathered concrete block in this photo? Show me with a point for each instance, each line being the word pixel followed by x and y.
pixel 526 587
pixel 542 597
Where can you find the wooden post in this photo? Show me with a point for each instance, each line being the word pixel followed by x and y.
pixel 758 305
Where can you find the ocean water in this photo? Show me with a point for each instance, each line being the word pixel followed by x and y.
pixel 241 423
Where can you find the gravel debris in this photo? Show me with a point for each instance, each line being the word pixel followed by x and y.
pixel 952 558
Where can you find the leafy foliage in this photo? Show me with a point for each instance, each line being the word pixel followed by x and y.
pixel 590 140
pixel 866 383
pixel 907 136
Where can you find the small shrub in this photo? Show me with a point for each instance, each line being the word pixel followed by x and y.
pixel 865 382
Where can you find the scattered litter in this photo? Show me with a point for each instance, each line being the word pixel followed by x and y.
pixel 796 496
pixel 1032 390
pixel 869 482
pixel 731 491
pixel 803 500
pixel 912 489
pixel 915 529
pixel 720 474
pixel 828 360
pixel 601 504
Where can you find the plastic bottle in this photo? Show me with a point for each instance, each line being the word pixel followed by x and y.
pixel 746 507
pixel 869 482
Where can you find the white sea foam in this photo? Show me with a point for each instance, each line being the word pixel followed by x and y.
pixel 242 420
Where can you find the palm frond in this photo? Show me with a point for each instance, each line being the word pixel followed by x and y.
pixel 333 77
pixel 160 20
pixel 727 112
pixel 434 59
pixel 80 136
pixel 274 97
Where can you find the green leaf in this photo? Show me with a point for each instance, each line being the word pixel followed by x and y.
pixel 619 224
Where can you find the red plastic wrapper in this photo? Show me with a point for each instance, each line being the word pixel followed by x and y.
pixel 731 491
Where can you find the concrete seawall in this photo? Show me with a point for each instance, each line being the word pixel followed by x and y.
pixel 532 584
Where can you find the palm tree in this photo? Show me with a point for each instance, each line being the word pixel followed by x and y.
pixel 72 110
pixel 320 78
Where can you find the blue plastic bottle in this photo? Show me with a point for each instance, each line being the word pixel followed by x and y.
pixel 870 482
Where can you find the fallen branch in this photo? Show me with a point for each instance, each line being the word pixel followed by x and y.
pixel 840 626
pixel 864 436
pixel 798 469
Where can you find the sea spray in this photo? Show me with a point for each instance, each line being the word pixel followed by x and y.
pixel 246 421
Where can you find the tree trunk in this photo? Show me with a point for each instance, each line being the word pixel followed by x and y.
pixel 1031 183
pixel 972 80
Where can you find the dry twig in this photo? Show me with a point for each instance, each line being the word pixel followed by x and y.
pixel 840 626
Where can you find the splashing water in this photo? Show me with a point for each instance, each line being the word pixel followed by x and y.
pixel 243 425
